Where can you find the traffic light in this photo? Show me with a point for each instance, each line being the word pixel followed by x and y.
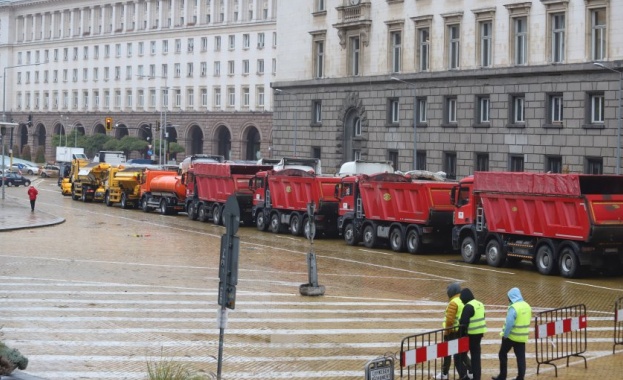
pixel 108 124
pixel 157 126
pixel 30 120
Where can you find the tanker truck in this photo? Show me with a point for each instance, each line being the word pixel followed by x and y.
pixel 162 190
pixel 560 222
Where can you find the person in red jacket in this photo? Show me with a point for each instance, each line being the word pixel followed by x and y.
pixel 32 194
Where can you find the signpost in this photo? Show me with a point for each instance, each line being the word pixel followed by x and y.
pixel 228 270
pixel 311 288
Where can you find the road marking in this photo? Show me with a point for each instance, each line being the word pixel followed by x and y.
pixel 594 286
pixel 471 267
pixel 376 252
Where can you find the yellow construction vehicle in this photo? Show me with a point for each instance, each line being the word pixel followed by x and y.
pixel 77 163
pixel 123 186
pixel 88 185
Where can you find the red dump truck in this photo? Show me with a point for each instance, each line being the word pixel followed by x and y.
pixel 162 190
pixel 281 198
pixel 560 222
pixel 394 207
pixel 209 184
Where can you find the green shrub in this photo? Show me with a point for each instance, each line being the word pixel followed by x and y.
pixel 40 156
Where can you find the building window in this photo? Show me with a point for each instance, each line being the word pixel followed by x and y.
pixel 520 41
pixel 449 164
pixel 231 96
pixel 217 68
pixel 354 56
pixel 598 34
pixel 203 69
pixel 486 37
pixel 357 131
pixel 217 96
pixel 450 114
pixel 260 66
pixel 515 163
pixel 424 48
pixel 392 156
pixel 597 108
pixel 481 162
pixel 260 96
pixel 593 165
pixel 518 108
pixel 232 42
pixel 246 41
pixel 204 43
pixel 245 67
pixel 246 97
pixel 421 110
pixel 320 6
pixel 190 98
pixel 421 159
pixel 396 44
pixel 558 37
pixel 317 112
pixel 454 44
pixel 319 58
pixel 217 43
pixel 555 109
pixel 553 164
pixel 165 46
pixel 177 70
pixel 316 152
pixel 483 107
pixel 231 67
pixel 190 47
pixel 393 111
pixel 204 97
pixel 356 154
pixel 260 40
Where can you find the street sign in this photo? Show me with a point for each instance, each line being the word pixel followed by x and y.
pixel 230 248
pixel 380 369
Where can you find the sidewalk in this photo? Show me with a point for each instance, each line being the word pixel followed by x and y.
pixel 16 216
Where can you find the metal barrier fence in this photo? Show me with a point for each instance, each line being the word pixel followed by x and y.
pixel 423 354
pixel 560 334
pixel 618 324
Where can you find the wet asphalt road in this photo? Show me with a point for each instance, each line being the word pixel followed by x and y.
pixel 110 290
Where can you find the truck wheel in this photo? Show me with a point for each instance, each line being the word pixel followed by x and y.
pixel 369 236
pixel 144 205
pixel 413 241
pixel 84 195
pixel 545 260
pixel 124 201
pixel 217 215
pixel 295 224
pixel 191 210
pixel 275 223
pixel 569 263
pixel 73 195
pixel 495 254
pixel 107 200
pixel 469 250
pixel 260 220
pixel 202 213
pixel 163 206
pixel 396 240
pixel 349 234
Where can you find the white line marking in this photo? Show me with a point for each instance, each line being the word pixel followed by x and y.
pixel 594 286
pixel 376 252
pixel 471 267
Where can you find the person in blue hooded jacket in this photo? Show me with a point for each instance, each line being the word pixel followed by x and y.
pixel 515 334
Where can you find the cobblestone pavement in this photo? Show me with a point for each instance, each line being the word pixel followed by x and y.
pixel 109 290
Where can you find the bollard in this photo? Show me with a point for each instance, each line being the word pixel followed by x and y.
pixel 311 288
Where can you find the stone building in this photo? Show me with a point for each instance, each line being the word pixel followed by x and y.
pixel 202 68
pixel 495 85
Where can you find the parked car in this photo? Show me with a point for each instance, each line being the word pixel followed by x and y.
pixel 25 168
pixel 14 179
pixel 49 171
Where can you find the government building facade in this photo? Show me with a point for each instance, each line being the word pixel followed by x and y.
pixel 202 68
pixel 453 86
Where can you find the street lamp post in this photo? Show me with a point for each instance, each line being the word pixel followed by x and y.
pixel 12 125
pixel 414 119
pixel 619 115
pixel 296 118
pixel 163 121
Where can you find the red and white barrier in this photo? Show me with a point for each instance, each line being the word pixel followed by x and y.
pixel 435 351
pixel 561 326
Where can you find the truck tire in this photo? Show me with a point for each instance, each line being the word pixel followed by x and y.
pixel 569 263
pixel 369 236
pixel 469 250
pixel 412 241
pixel 275 223
pixel 349 234
pixel 396 239
pixel 191 211
pixel 545 260
pixel 144 205
pixel 107 200
pixel 295 224
pixel 202 213
pixel 163 207
pixel 495 254
pixel 84 195
pixel 260 220
pixel 124 201
pixel 73 194
pixel 217 215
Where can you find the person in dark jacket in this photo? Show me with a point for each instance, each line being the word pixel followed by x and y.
pixel 475 326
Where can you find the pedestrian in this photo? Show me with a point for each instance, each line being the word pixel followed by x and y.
pixel 452 316
pixel 515 334
pixel 473 324
pixel 32 194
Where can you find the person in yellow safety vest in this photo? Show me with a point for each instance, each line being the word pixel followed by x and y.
pixel 515 334
pixel 473 324
pixel 452 316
